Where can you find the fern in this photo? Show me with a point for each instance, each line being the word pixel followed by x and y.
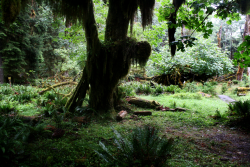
pixel 142 148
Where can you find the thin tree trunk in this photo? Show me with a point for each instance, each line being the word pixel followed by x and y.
pixel 93 49
pixel 219 37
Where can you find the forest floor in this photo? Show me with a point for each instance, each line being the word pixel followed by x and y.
pixel 201 137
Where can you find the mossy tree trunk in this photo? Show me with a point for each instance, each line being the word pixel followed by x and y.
pixel 107 62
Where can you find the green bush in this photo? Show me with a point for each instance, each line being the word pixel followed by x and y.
pixel 224 88
pixel 172 88
pixel 158 89
pixel 191 87
pixel 208 88
pixel 127 90
pixel 142 148
pixel 235 81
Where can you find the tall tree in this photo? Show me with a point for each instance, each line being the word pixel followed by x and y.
pixel 110 60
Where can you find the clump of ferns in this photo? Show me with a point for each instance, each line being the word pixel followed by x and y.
pixel 142 148
pixel 240 108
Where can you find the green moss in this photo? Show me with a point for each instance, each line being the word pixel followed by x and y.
pixel 143 51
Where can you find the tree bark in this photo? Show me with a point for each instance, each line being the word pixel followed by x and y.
pixel 219 37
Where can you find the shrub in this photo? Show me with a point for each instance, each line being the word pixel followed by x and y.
pixel 142 148
pixel 126 89
pixel 191 87
pixel 224 88
pixel 235 81
pixel 172 88
pixel 208 88
pixel 159 89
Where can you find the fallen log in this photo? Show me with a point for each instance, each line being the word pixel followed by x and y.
pixel 144 103
pixel 122 114
pixel 180 109
pixel 57 85
pixel 144 113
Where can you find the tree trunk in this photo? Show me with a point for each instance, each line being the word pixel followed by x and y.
pixel 110 61
pixel 219 37
pixel 106 63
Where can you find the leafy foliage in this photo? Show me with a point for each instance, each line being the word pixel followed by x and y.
pixel 205 58
pixel 242 56
pixel 241 108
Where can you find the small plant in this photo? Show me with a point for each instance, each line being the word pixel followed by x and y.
pixel 6 107
pixel 23 97
pixel 208 88
pixel 50 95
pixel 142 148
pixel 191 87
pixel 224 88
pixel 159 89
pixel 48 109
pixel 235 81
pixel 240 108
pixel 172 88
pixel 6 90
pixel 126 90
pixel 217 114
pixel 12 135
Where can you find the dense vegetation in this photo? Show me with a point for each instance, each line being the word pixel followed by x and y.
pixel 70 68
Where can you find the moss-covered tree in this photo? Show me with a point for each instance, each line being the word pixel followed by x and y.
pixel 107 61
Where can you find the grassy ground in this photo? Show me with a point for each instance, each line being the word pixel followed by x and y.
pixel 199 140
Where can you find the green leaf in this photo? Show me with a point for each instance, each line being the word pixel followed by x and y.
pixel 229 22
pixel 3 149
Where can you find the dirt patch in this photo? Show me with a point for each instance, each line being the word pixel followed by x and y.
pixel 233 145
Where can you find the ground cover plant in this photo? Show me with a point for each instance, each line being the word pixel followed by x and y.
pixel 200 134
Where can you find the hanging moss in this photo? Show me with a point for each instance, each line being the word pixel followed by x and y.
pixel 143 51
pixel 147 9
pixel 71 9
pixel 130 8
pixel 11 9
